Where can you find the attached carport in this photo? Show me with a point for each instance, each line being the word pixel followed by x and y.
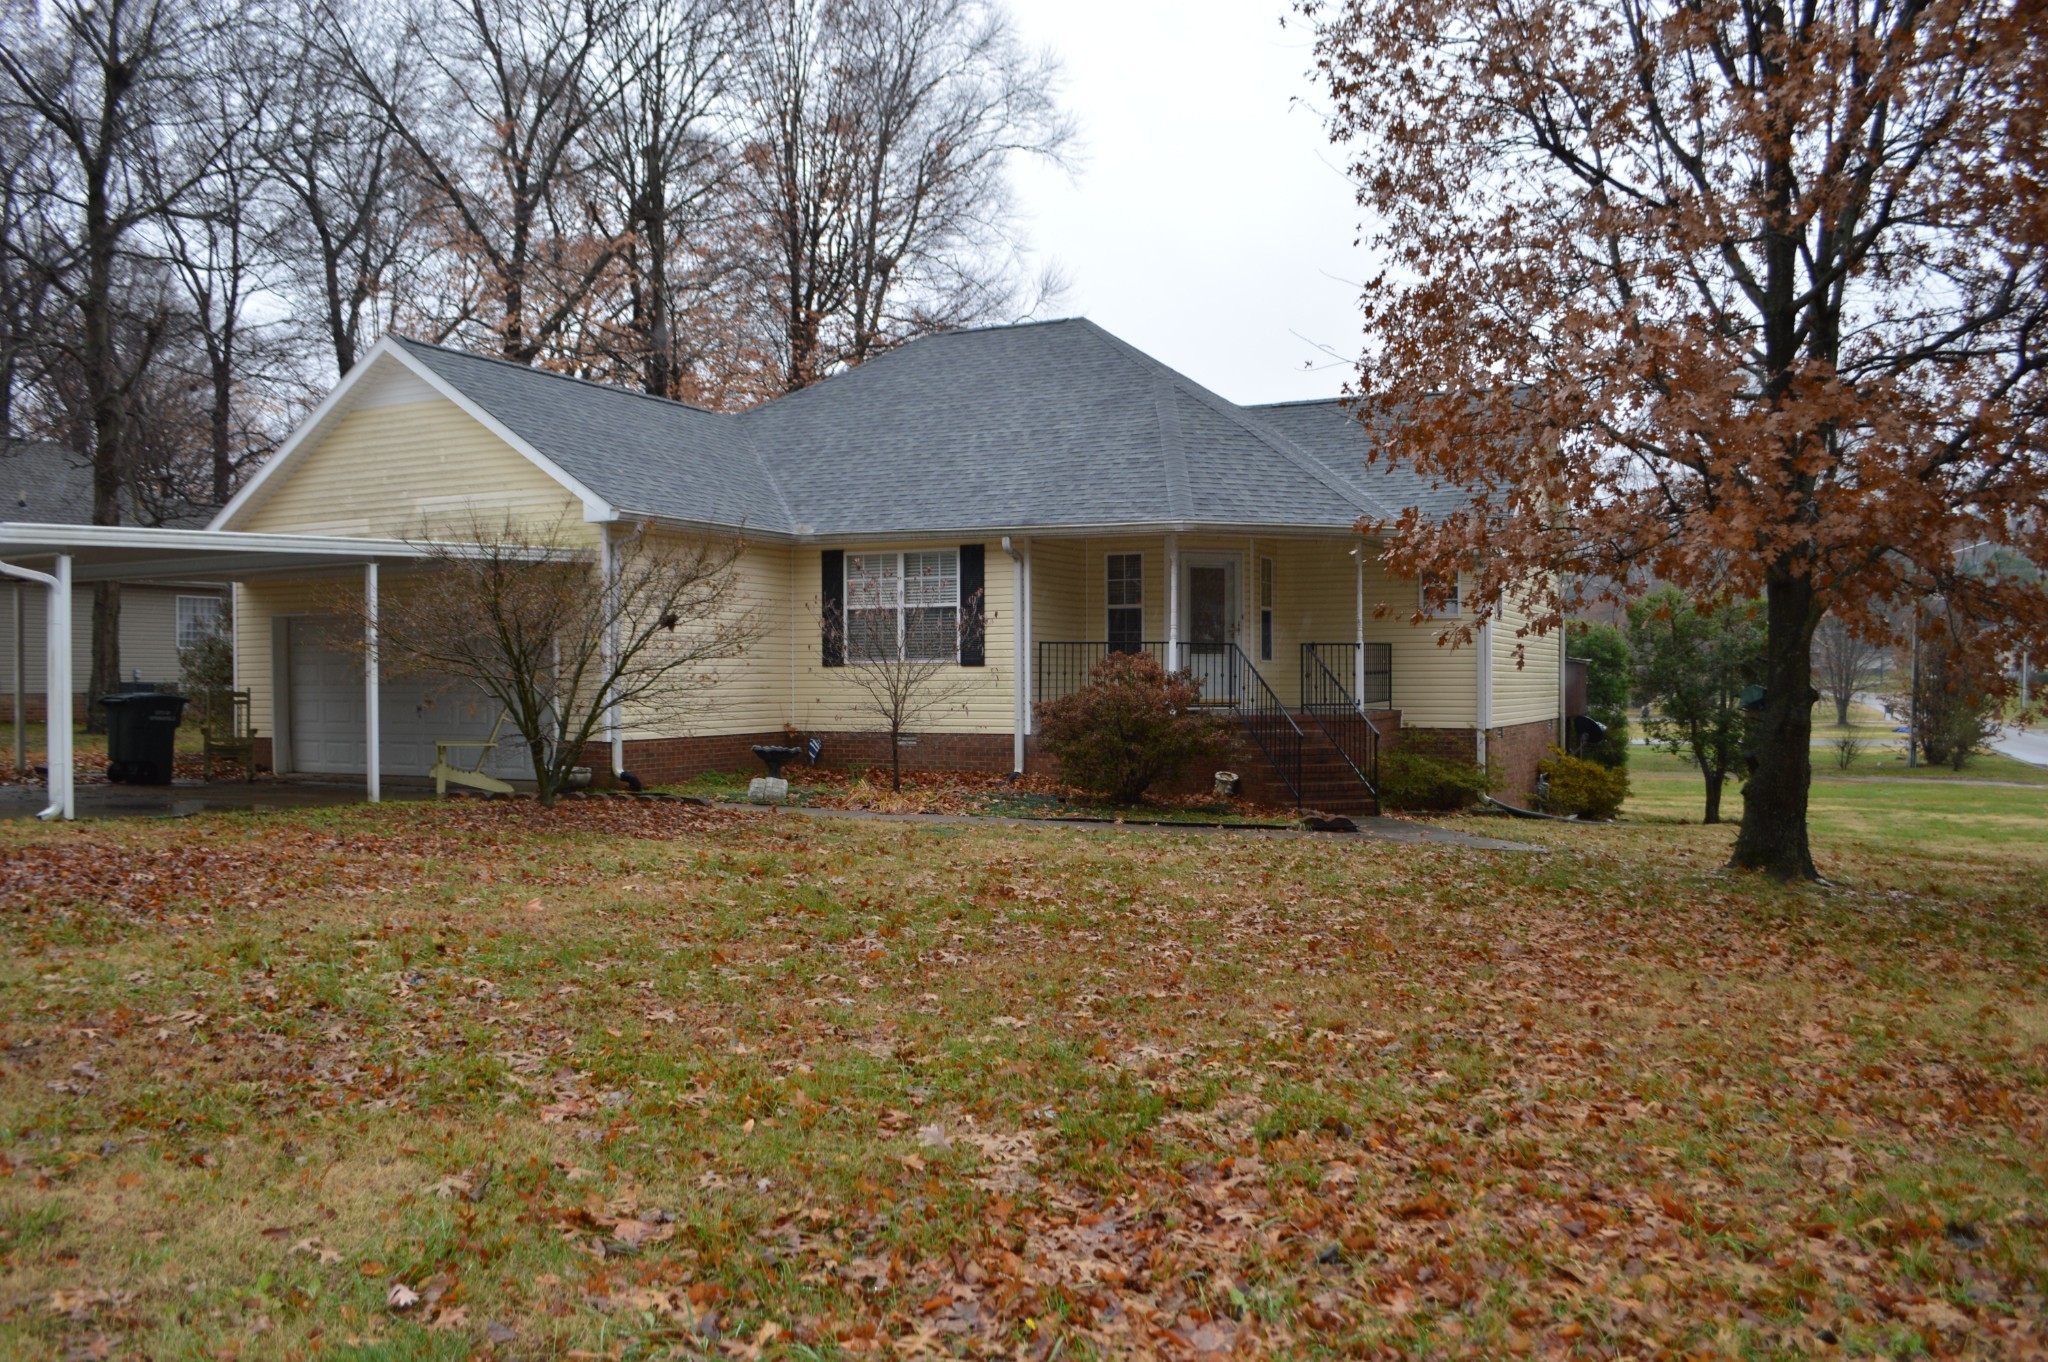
pixel 62 558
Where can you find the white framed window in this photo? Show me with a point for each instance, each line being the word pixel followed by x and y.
pixel 199 618
pixel 1123 594
pixel 1265 610
pixel 1450 610
pixel 903 606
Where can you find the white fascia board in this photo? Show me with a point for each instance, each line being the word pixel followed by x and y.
pixel 595 508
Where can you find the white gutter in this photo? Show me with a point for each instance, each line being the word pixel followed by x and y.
pixel 608 573
pixel 56 683
pixel 373 728
pixel 1483 709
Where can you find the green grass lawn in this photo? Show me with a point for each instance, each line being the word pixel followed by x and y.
pixel 636 1080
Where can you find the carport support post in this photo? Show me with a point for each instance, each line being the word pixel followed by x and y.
pixel 20 685
pixel 372 737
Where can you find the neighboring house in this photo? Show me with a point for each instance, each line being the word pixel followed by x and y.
pixel 1084 494
pixel 46 484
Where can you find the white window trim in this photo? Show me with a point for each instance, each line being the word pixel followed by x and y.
pixel 220 617
pixel 902 610
pixel 1456 608
pixel 1139 606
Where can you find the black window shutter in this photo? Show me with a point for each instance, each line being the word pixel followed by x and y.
pixel 973 580
pixel 833 625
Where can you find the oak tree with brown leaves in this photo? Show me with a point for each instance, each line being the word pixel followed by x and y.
pixel 1745 295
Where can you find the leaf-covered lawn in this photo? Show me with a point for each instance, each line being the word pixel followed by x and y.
pixel 641 1080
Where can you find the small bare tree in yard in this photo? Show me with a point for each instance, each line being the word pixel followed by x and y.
pixel 1846 662
pixel 904 662
pixel 535 627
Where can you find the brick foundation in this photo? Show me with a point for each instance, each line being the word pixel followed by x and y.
pixel 1515 749
pixel 661 761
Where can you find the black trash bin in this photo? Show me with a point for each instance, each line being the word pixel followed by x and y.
pixel 142 736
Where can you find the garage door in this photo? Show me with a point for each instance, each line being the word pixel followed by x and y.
pixel 326 714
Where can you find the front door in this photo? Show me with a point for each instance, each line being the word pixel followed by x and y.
pixel 1209 623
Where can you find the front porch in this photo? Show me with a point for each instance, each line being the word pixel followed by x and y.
pixel 1296 638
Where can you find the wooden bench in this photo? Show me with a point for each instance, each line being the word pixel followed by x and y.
pixel 232 740
pixel 446 772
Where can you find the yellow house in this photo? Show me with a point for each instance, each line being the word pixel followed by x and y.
pixel 1074 493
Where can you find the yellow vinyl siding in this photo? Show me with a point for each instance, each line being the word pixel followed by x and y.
pixel 408 470
pixel 1528 693
pixel 257 604
pixel 826 699
pixel 1059 605
pixel 746 693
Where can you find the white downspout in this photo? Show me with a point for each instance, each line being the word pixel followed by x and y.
pixel 56 683
pixel 608 571
pixel 1483 709
pixel 1358 658
pixel 1020 670
pixel 373 736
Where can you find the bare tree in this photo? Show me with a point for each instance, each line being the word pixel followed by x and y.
pixel 1845 663
pixel 904 664
pixel 882 132
pixel 109 83
pixel 529 621
pixel 660 151
pixel 352 232
pixel 493 103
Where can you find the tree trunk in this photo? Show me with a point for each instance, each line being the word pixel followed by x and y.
pixel 1715 780
pixel 223 438
pixel 895 761
pixel 104 676
pixel 1773 837
pixel 1841 711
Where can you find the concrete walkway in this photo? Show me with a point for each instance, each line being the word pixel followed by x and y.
pixel 1369 829
pixel 184 798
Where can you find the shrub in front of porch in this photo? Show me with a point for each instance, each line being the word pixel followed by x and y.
pixel 1133 726
pixel 1416 783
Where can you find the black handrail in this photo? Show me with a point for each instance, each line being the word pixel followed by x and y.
pixel 1343 720
pixel 1264 719
pixel 1374 682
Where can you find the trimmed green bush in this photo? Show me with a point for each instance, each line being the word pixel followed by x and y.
pixel 1419 783
pixel 1580 788
pixel 1133 726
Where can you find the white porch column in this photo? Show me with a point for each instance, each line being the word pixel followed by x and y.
pixel 1020 586
pixel 56 681
pixel 608 570
pixel 373 740
pixel 1358 655
pixel 1172 602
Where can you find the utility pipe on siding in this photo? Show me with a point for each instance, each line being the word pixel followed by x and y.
pixel 373 736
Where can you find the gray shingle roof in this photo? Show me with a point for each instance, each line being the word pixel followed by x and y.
pixel 642 454
pixel 44 484
pixel 1330 432
pixel 1048 425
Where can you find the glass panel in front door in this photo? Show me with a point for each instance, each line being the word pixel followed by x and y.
pixel 1208 605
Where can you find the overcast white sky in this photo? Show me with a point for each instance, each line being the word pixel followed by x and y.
pixel 1206 221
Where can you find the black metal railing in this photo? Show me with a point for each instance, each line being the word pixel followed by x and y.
pixel 1062 668
pixel 1227 677
pixel 1374 689
pixel 1328 702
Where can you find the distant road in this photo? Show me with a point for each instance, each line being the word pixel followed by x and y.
pixel 2029 745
